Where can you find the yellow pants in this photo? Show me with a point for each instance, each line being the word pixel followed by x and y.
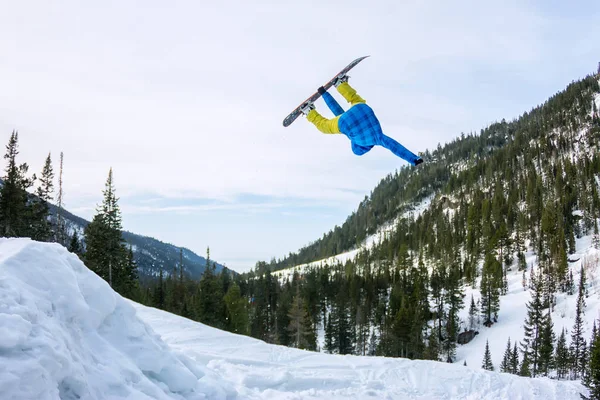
pixel 331 125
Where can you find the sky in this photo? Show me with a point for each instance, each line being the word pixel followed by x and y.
pixel 185 100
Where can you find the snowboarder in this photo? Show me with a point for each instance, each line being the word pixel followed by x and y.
pixel 359 123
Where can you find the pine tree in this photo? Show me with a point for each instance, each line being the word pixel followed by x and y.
pixel 106 253
pixel 514 360
pixel 329 334
pixel 237 312
pixel 547 339
pixel 432 351
pixel 40 225
pixel 490 294
pixel 592 381
pixel 473 311
pixel 453 297
pixel 298 323
pixel 505 365
pixel 577 347
pixel 487 358
pixel 209 306
pixel 534 324
pixel 562 356
pixel 15 214
pixel 75 244
pixel 525 364
pixel 158 296
pixel 127 278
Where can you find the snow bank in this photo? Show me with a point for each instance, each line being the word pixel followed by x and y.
pixel 257 370
pixel 64 333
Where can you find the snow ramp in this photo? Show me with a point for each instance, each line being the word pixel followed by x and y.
pixel 65 334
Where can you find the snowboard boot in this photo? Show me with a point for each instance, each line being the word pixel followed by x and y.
pixel 307 107
pixel 340 79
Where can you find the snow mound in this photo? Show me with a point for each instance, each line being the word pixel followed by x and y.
pixel 257 370
pixel 64 333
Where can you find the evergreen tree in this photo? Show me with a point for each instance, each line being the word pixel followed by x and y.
pixel 299 323
pixel 533 326
pixel 473 311
pixel 432 351
pixel 40 225
pixel 562 356
pixel 525 364
pixel 329 334
pixel 577 347
pixel 505 365
pixel 490 283
pixel 237 312
pixel 454 299
pixel 158 297
pixel 106 253
pixel 487 358
pixel 514 360
pixel 592 380
pixel 15 214
pixel 547 339
pixel 75 244
pixel 209 305
pixel 127 278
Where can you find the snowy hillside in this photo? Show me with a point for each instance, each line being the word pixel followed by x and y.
pixel 65 334
pixel 367 244
pixel 513 311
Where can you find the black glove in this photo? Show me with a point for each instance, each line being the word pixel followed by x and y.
pixel 321 90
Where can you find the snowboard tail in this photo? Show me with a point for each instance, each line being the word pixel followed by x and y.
pixel 296 113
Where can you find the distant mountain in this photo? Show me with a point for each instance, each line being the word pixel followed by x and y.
pixel 150 254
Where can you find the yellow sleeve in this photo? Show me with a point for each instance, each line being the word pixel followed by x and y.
pixel 350 94
pixel 325 125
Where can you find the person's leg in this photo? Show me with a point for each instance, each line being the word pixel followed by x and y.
pixel 398 149
pixel 350 94
pixel 360 150
pixel 323 124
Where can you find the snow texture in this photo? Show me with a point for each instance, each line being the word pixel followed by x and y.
pixel 64 334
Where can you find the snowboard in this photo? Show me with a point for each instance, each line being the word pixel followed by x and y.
pixel 296 113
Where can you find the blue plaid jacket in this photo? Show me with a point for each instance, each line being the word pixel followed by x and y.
pixel 362 127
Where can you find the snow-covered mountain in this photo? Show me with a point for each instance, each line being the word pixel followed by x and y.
pixel 64 334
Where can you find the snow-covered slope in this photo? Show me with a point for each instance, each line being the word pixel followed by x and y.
pixel 64 334
pixel 367 244
pixel 513 308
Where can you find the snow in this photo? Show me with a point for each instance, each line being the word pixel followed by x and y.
pixel 259 370
pixel 64 334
